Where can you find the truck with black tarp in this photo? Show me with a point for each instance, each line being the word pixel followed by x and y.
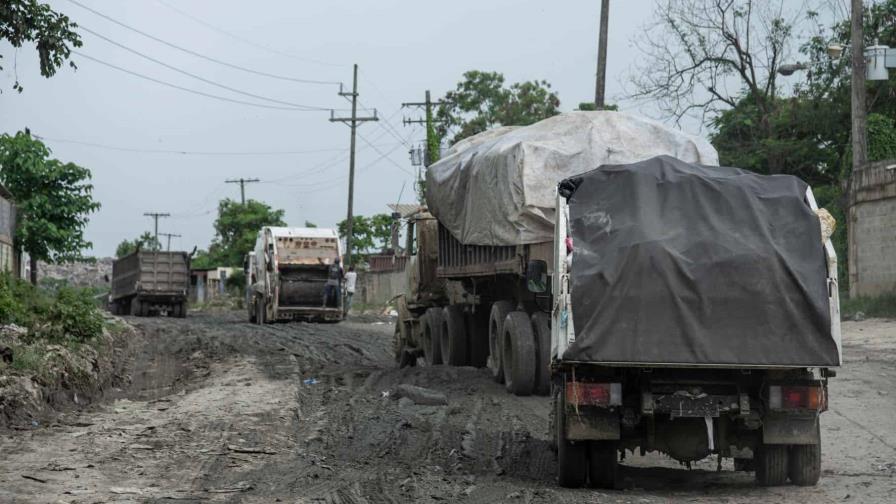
pixel 490 214
pixel 148 282
pixel 694 312
pixel 288 274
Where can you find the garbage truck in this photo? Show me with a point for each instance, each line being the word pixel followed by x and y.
pixel 288 274
pixel 694 312
pixel 489 215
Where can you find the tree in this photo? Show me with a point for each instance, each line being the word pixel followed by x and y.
pixel 368 233
pixel 481 101
pixel 146 241
pixel 236 229
pixel 29 21
pixel 52 198
pixel 309 224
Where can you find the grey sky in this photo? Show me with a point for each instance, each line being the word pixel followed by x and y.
pixel 402 47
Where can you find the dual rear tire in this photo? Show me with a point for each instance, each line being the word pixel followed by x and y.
pixel 775 464
pixel 581 462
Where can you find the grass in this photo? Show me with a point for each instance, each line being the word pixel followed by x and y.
pixel 877 307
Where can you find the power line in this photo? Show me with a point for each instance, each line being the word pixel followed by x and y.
pixel 242 182
pixel 200 55
pixel 197 77
pixel 246 41
pixel 402 168
pixel 194 91
pixel 190 152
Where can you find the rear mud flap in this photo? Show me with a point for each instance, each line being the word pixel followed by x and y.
pixel 790 429
pixel 594 424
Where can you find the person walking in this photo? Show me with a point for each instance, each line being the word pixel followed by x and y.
pixel 351 279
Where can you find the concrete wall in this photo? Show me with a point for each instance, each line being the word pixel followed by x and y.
pixel 378 288
pixel 872 231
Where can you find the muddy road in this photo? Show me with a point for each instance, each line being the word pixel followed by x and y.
pixel 222 411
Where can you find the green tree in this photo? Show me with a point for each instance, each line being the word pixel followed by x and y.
pixel 146 241
pixel 481 101
pixel 362 236
pixel 236 229
pixel 51 32
pixel 381 230
pixel 309 224
pixel 53 200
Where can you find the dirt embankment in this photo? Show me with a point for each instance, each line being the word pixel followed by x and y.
pixel 42 380
pixel 223 411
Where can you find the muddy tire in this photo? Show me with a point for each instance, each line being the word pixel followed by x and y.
pixel 432 347
pixel 136 307
pixel 403 356
pixel 572 458
pixel 602 464
pixel 454 336
pixel 477 338
pixel 804 463
pixel 518 357
pixel 771 464
pixel 253 313
pixel 498 313
pixel 541 329
pixel 261 315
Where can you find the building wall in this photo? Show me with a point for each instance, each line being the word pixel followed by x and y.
pixel 378 288
pixel 872 232
pixel 8 260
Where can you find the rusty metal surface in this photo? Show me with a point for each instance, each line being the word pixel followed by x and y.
pixel 590 423
pixel 150 272
pixel 383 263
pixel 456 259
pixel 302 286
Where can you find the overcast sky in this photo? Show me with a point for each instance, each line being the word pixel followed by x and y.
pixel 402 47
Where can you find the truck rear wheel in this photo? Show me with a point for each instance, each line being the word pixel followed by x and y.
pixel 771 464
pixel 602 464
pixel 136 307
pixel 498 313
pixel 253 312
pixel 454 336
pixel 572 459
pixel 804 463
pixel 518 358
pixel 260 313
pixel 432 347
pixel 542 332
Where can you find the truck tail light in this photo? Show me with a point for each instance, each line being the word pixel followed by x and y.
pixel 784 397
pixel 593 394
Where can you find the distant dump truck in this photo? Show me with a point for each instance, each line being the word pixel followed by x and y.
pixel 288 272
pixel 694 311
pixel 149 282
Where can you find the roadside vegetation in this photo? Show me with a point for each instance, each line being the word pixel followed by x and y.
pixel 883 306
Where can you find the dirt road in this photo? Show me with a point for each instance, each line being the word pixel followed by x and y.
pixel 223 411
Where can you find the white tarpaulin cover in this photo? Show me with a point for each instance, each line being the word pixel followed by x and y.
pixel 498 187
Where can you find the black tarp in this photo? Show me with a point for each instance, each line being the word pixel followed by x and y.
pixel 677 263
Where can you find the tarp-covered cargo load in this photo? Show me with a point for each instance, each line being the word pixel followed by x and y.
pixel 497 188
pixel 676 263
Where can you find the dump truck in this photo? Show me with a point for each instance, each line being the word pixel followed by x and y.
pixel 694 312
pixel 488 216
pixel 148 282
pixel 289 270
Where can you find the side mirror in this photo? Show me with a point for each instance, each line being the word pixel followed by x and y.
pixel 537 276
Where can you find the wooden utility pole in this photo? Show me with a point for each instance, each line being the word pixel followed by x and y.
pixel 859 121
pixel 353 124
pixel 601 81
pixel 242 182
pixel 433 143
pixel 155 217
pixel 169 236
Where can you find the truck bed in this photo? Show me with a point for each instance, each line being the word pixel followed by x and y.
pixel 151 273
pixel 458 260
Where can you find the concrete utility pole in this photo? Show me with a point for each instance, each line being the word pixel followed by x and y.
pixel 601 81
pixel 169 236
pixel 242 182
pixel 859 121
pixel 353 124
pixel 155 217
pixel 432 141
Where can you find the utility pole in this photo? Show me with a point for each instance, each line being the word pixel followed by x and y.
pixel 859 122
pixel 169 236
pixel 155 217
pixel 353 124
pixel 433 143
pixel 242 182
pixel 600 84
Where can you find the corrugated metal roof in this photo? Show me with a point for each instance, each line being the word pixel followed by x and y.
pixel 405 209
pixel 303 232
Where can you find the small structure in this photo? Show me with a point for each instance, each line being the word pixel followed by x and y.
pixel 872 230
pixel 386 277
pixel 10 260
pixel 208 283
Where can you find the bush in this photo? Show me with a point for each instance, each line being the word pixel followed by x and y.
pixel 59 315
pixel 880 307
